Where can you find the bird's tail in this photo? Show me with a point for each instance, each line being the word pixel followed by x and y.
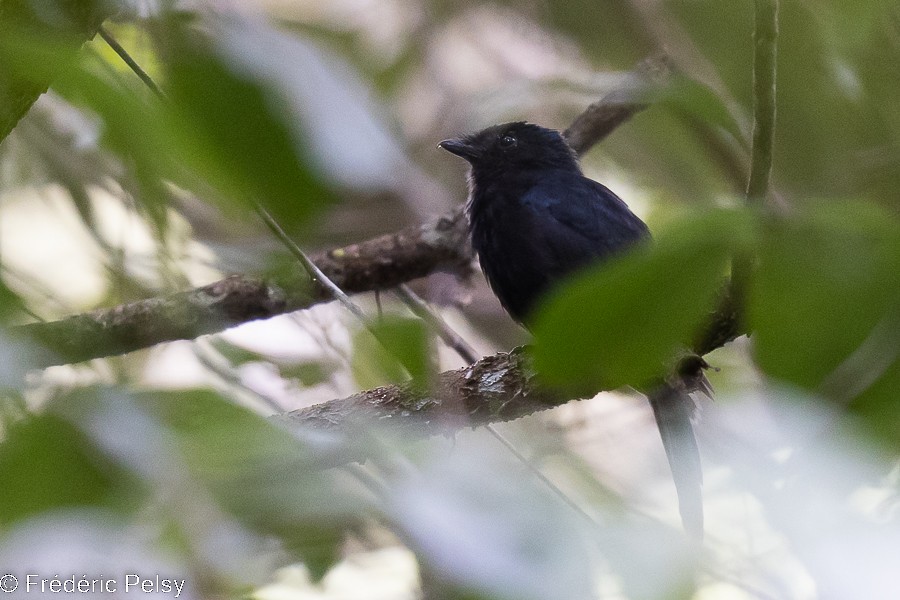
pixel 674 409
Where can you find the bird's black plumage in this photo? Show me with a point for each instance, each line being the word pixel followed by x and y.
pixel 535 219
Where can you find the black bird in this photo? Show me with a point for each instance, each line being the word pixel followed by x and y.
pixel 535 219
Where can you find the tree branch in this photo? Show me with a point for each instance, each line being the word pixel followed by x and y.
pixel 497 388
pixel 379 263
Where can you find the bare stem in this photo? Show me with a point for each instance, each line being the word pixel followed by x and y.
pixel 132 64
pixel 765 53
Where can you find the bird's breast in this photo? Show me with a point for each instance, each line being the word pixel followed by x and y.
pixel 512 254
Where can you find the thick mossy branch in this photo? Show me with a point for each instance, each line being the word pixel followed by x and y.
pixel 380 263
pixel 497 388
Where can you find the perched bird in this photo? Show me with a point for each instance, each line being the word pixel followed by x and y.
pixel 535 219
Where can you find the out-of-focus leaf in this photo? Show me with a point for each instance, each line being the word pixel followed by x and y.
pixel 12 408
pixel 255 470
pixel 621 323
pixel 235 354
pixel 838 124
pixel 825 279
pixel 10 304
pixel 95 540
pixel 668 153
pixel 47 464
pixel 828 284
pixel 64 25
pixel 877 405
pixel 260 473
pixel 812 494
pixel 612 31
pixel 699 102
pixel 483 529
pixel 329 106
pixel 222 127
pixel 398 347
pixel 132 125
pixel 235 130
pixel 308 373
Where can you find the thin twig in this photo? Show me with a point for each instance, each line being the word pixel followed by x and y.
pixel 215 362
pixel 132 64
pixel 314 272
pixel 541 477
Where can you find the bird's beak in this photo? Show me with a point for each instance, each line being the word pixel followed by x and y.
pixel 460 147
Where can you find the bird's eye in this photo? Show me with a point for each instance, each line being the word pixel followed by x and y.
pixel 508 141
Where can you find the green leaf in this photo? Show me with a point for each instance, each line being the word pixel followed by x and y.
pixel 237 355
pixel 63 25
pixel 11 305
pixel 308 373
pixel 398 350
pixel 827 280
pixel 46 463
pixel 131 124
pixel 236 131
pixel 620 323
pixel 699 102
pixel 260 473
pixel 222 131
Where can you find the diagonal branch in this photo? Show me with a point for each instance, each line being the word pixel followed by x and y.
pixel 379 263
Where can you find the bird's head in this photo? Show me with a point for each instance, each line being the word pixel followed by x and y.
pixel 513 147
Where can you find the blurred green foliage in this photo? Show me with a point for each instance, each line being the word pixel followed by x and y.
pixel 622 323
pixel 824 298
pixel 67 23
pixel 393 350
pixel 231 129
pixel 52 465
pixel 260 473
pixel 824 307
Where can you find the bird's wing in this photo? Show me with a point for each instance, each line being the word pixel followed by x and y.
pixel 577 211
